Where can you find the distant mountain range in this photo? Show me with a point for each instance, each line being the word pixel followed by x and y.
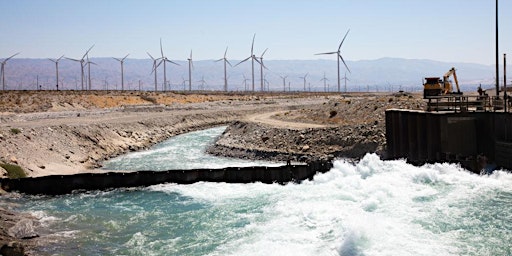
pixel 386 74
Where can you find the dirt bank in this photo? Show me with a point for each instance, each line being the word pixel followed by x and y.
pixel 346 127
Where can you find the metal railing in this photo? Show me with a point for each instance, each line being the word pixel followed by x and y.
pixel 462 103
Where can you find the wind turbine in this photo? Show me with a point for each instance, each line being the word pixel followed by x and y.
pixel 203 82
pixel 82 61
pixel 261 69
pixel 3 69
pixel 183 82
pixel 245 82
pixel 284 82
pixel 88 63
pixel 338 57
pixel 252 57
pixel 164 60
pixel 304 77
pixel 190 66
pixel 56 61
pixel 346 79
pixel 225 73
pixel 325 81
pixel 155 65
pixel 267 83
pixel 121 60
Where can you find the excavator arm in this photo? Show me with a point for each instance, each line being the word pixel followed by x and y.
pixel 446 78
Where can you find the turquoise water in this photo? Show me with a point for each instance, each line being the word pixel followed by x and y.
pixel 373 207
pixel 184 151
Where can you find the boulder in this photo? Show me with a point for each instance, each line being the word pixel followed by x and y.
pixel 23 229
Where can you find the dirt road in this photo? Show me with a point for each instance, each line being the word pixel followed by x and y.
pixel 266 118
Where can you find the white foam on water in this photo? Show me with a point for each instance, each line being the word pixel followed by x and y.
pixel 374 207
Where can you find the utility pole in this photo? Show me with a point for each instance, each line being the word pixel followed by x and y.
pixel 497 53
pixel 505 82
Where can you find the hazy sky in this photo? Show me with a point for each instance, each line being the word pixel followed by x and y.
pixel 445 30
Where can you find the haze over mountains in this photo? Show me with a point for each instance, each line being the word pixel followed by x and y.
pixel 386 74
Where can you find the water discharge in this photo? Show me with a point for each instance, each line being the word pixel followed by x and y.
pixel 373 207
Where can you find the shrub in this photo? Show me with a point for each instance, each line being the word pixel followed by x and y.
pixel 14 171
pixel 150 99
pixel 15 130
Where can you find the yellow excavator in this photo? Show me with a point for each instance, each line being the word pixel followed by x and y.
pixel 434 86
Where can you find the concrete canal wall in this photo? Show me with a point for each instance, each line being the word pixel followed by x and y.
pixel 63 184
pixel 473 139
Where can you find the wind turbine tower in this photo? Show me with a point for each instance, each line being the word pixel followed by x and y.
pixel 190 66
pixel 155 65
pixel 164 60
pixel 3 69
pixel 225 72
pixel 325 81
pixel 245 82
pixel 88 63
pixel 304 77
pixel 203 82
pixel 121 60
pixel 261 69
pixel 284 82
pixel 338 57
pixel 56 61
pixel 346 79
pixel 252 57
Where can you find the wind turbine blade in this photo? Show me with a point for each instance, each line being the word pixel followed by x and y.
pixel 190 54
pixel 243 61
pixel 52 60
pixel 125 56
pixel 229 63
pixel 218 60
pixel 326 53
pixel 343 40
pixel 10 57
pixel 87 52
pixel 160 62
pixel 73 59
pixel 60 57
pixel 150 56
pixel 256 59
pixel 306 75
pixel 252 46
pixel 264 52
pixel 344 63
pixel 161 49
pixel 116 59
pixel 172 62
pixel 225 52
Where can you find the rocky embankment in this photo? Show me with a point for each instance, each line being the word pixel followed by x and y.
pixel 352 127
pixel 260 141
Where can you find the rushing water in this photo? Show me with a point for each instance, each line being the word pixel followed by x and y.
pixel 373 207
pixel 184 151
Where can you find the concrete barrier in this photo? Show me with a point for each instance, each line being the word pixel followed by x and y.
pixel 473 139
pixel 63 184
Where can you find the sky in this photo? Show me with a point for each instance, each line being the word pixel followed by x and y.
pixel 443 30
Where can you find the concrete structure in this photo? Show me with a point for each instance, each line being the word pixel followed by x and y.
pixel 473 139
pixel 63 184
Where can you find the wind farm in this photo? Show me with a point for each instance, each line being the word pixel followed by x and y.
pixel 145 73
